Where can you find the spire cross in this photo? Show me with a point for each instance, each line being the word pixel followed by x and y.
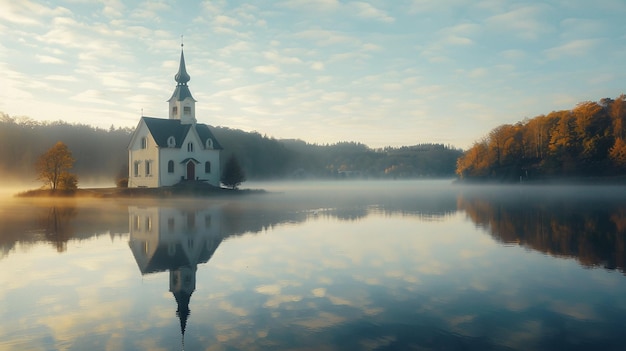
pixel 181 41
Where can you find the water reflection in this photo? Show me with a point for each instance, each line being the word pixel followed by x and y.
pixel 57 222
pixel 58 227
pixel 176 240
pixel 378 270
pixel 588 227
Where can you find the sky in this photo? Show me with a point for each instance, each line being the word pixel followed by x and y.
pixel 379 72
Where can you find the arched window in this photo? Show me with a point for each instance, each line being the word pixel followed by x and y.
pixel 144 142
pixel 171 141
pixel 170 166
pixel 190 147
pixel 209 143
pixel 174 110
pixel 207 167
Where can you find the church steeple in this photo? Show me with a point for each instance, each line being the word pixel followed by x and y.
pixel 182 105
pixel 182 77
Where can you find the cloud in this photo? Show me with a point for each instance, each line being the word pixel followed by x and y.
pixel 317 65
pixel 29 13
pixel 113 8
pixel 61 78
pixel 513 54
pixel 49 59
pixel 525 22
pixel 325 37
pixel 312 5
pixel 93 97
pixel 267 69
pixel 433 6
pixel 278 58
pixel 371 47
pixel 222 20
pixel 579 47
pixel 240 46
pixel 478 72
pixel 367 11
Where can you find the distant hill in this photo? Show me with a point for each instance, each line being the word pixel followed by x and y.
pixel 101 154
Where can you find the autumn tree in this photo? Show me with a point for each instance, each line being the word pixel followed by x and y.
pixel 53 168
pixel 588 140
pixel 233 174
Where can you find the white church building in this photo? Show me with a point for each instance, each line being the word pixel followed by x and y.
pixel 164 152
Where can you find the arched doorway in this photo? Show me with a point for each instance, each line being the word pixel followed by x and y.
pixel 191 170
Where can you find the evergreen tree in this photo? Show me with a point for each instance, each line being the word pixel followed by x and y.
pixel 233 174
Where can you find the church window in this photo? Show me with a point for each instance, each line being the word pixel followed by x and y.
pixel 136 169
pixel 136 222
pixel 144 143
pixel 171 141
pixel 174 110
pixel 170 166
pixel 191 222
pixel 148 168
pixel 187 110
pixel 207 167
pixel 190 147
pixel 148 224
pixel 209 143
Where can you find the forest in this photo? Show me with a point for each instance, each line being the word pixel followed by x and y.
pixel 586 141
pixel 101 154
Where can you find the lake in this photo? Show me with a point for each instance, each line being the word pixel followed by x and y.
pixel 365 265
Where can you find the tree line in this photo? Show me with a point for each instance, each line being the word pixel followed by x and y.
pixel 101 155
pixel 586 141
pixel 592 232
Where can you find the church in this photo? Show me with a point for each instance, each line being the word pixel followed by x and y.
pixel 164 152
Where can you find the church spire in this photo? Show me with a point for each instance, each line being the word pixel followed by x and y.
pixel 182 77
pixel 182 104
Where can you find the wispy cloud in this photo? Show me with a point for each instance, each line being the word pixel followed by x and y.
pixel 574 48
pixel 49 59
pixel 368 11
pixel 527 22
pixel 29 13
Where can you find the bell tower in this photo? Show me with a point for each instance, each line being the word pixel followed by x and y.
pixel 182 105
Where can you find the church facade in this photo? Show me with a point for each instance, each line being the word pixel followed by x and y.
pixel 164 152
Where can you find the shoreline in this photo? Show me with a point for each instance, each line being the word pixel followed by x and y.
pixel 187 190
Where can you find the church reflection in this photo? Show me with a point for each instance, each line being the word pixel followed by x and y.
pixel 176 240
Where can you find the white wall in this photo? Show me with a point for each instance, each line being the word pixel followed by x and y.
pixel 137 154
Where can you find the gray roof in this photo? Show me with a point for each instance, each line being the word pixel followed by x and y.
pixel 161 129
pixel 181 93
pixel 162 260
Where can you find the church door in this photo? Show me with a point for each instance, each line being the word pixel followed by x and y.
pixel 191 170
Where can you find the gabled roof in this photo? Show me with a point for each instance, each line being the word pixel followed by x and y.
pixel 161 129
pixel 205 133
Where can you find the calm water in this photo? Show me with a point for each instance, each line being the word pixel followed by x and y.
pixel 421 265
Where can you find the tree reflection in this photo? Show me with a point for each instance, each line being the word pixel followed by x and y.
pixel 592 230
pixel 57 226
